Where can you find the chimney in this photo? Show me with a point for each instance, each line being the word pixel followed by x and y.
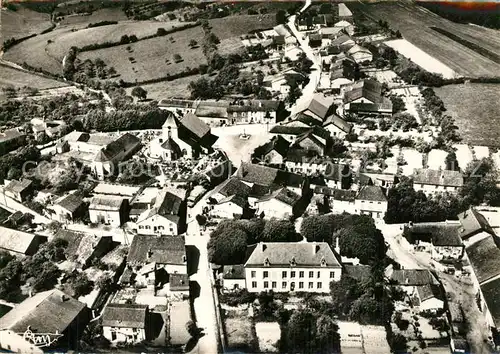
pixel 263 246
pixel 316 248
pixel 150 253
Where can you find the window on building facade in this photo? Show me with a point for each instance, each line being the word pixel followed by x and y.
pixel 253 274
pixel 254 284
pixel 274 285
pixel 266 284
pixel 301 274
pixel 292 274
pixel 311 274
pixel 319 285
pixel 266 274
pixel 311 285
pixel 283 285
pixel 332 275
pixel 301 285
pixel 318 275
pixel 283 274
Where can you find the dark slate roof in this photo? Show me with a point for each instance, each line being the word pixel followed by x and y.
pixel 124 143
pixel 300 155
pixel 277 143
pixel 439 233
pixel 194 125
pixel 318 105
pixel 281 254
pixel 315 37
pixel 179 282
pixel 429 291
pixel 125 316
pixel 234 271
pixel 257 174
pixel 254 106
pixel 484 256
pixel 340 40
pixel 46 312
pixel 371 193
pixel 309 135
pixel 414 277
pixel 71 202
pixel 234 186
pixel 473 222
pixel 171 205
pixel 237 199
pixel 284 195
pixel 167 102
pixel 491 294
pixel 81 245
pixel 16 241
pixel 437 177
pixel 385 105
pixel 369 89
pixel 304 118
pixel 163 249
pixel 283 129
pixel 337 194
pixel 171 145
pixel 338 122
pixel 73 238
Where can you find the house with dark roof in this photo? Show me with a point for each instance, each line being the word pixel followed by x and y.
pixel 443 238
pixel 234 206
pixel 19 190
pixel 166 217
pixel 318 107
pixel 474 226
pixel 255 111
pixel 429 298
pixel 337 200
pixel 315 40
pixel 107 159
pixel 281 203
pixel 371 200
pixel 67 208
pixel 49 319
pixel 83 248
pixel 337 126
pixel 273 152
pixel 11 139
pixel 285 267
pixel 20 243
pixel 108 209
pixel 310 141
pixel 365 98
pixel 233 277
pixel 432 181
pixel 230 187
pixel 125 323
pixel 342 43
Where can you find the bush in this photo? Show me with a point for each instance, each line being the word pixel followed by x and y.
pixel 101 23
pixel 238 297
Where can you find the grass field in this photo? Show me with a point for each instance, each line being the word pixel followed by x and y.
pixel 110 14
pixel 177 88
pixel 18 78
pixel 38 52
pixel 240 334
pixel 415 22
pixel 23 22
pixel 475 109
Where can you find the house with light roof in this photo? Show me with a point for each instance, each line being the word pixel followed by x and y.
pixel 286 267
pixel 433 182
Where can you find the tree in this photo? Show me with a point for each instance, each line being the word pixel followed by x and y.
pixel 398 343
pixel 14 173
pixel 105 283
pixel 253 228
pixel 344 293
pixel 80 285
pixel 124 39
pixel 369 310
pixel 161 32
pixel 139 92
pixel 45 277
pixel 294 94
pixel 452 162
pixel 193 43
pixel 5 258
pixel 201 219
pixel 277 230
pixel 317 228
pixel 398 105
pixel 480 184
pixel 280 17
pixel 227 246
pixel 177 58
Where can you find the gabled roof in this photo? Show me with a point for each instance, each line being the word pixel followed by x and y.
pixel 472 223
pixel 283 195
pixel 81 245
pixel 438 233
pixel 163 249
pixel 46 312
pixel 438 177
pixel 491 295
pixel 15 241
pixel 171 145
pixel 234 186
pixel 233 271
pixel 371 193
pixel 15 186
pixel 358 49
pixel 124 143
pixel 212 109
pixel 257 174
pixel 338 122
pixel 11 134
pixel 309 135
pixel 194 125
pixel 71 203
pixel 287 130
pixel 171 205
pixel 125 316
pixel 341 40
pixel 335 193
pixel 106 202
pixel 319 105
pixel 315 37
pixel 369 89
pixel 277 143
pixel 484 256
pixel 414 277
pixel 237 199
pixel 343 12
pixel 280 254
pixel 429 291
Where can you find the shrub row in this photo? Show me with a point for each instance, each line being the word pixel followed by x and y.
pixel 13 41
pixel 102 23
pixel 168 77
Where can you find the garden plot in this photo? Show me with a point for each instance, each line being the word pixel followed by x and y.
pixel 436 159
pixel 413 160
pixel 464 155
pixel 268 333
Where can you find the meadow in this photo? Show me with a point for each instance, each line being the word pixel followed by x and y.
pixel 415 24
pixel 22 23
pixel 18 78
pixel 475 109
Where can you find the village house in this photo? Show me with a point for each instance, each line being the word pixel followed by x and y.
pixel 233 277
pixel 166 217
pixel 281 204
pixel 337 126
pixel 338 200
pixel 365 98
pixel 281 82
pixel 66 208
pixel 20 243
pixel 371 200
pixel 284 267
pixel 384 180
pixel 330 32
pixel 273 152
pixel 437 181
pixel 19 190
pixel 346 26
pixel 185 137
pixel 360 54
pixel 46 320
pixel 107 159
pixel 232 186
pixel 318 107
pixel 179 285
pixel 474 226
pixel 108 209
pixel 143 201
pixel 255 111
pixel 10 140
pixel 213 113
pixel 314 40
pixel 125 323
pixel 83 248
pixel 234 206
pixel 342 43
pixel 177 106
pixel 16 343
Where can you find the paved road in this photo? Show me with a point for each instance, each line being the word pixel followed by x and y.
pixel 314 77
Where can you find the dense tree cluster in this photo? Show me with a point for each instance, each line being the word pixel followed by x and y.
pixel 404 121
pixel 16 160
pixel 141 117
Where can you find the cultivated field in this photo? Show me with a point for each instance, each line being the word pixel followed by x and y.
pixel 475 109
pixel 23 22
pixel 177 88
pixel 110 14
pixel 39 52
pixel 415 22
pixel 18 78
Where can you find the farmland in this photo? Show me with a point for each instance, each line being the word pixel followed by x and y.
pixel 417 25
pixel 177 88
pixel 23 22
pixel 18 78
pixel 39 52
pixel 109 14
pixel 475 109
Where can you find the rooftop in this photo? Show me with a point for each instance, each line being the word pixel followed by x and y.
pixel 257 174
pixel 484 256
pixel 106 202
pixel 439 233
pixel 234 271
pixel 473 222
pixel 371 193
pixel 194 125
pixel 234 186
pixel 15 186
pixel 338 122
pixel 46 312
pixel 415 277
pixel 236 199
pixel 10 134
pixel 278 254
pixel 116 189
pixel 70 202
pixel 429 291
pixel 491 294
pixel 179 282
pixel 283 195
pixel 124 143
pixel 277 143
pixel 437 177
pixel 125 316
pixel 15 241
pixel 164 250
pixel 369 89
